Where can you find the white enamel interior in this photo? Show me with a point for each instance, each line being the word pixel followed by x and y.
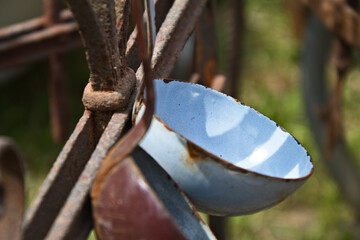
pixel 232 131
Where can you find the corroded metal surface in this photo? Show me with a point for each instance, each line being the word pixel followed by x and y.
pixel 122 8
pixel 12 194
pixel 110 84
pixel 94 36
pixel 71 220
pixel 109 100
pixel 63 176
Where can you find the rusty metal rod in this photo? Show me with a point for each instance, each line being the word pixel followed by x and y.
pixel 67 224
pixel 161 8
pixel 59 113
pixel 205 58
pixel 39 44
pixel 339 18
pixel 172 36
pixel 94 39
pixel 236 25
pixel 62 177
pixel 110 83
pixel 32 25
pixel 30 41
pixel 58 98
pixel 122 8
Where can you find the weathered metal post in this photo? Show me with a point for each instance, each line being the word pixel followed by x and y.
pixel 58 99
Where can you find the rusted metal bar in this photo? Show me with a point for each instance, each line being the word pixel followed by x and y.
pixel 110 84
pixel 29 26
pixel 67 221
pixel 205 46
pixel 339 18
pixel 205 52
pixel 94 39
pixel 39 44
pixel 63 175
pixel 74 205
pixel 58 103
pixel 52 11
pixel 172 36
pixel 122 24
pixel 57 81
pixel 150 22
pixel 35 42
pixel 12 194
pixel 161 8
pixel 236 27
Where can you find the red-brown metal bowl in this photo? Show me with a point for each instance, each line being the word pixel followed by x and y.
pixel 139 200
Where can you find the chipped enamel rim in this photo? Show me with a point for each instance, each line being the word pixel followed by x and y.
pixel 226 163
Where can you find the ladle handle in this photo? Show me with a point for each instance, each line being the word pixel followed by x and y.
pixel 151 36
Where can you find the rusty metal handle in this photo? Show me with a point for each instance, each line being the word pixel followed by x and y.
pixel 151 37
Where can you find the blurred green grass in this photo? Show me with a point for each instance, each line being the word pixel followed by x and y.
pixel 270 84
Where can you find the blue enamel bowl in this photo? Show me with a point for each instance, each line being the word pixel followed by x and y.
pixel 228 158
